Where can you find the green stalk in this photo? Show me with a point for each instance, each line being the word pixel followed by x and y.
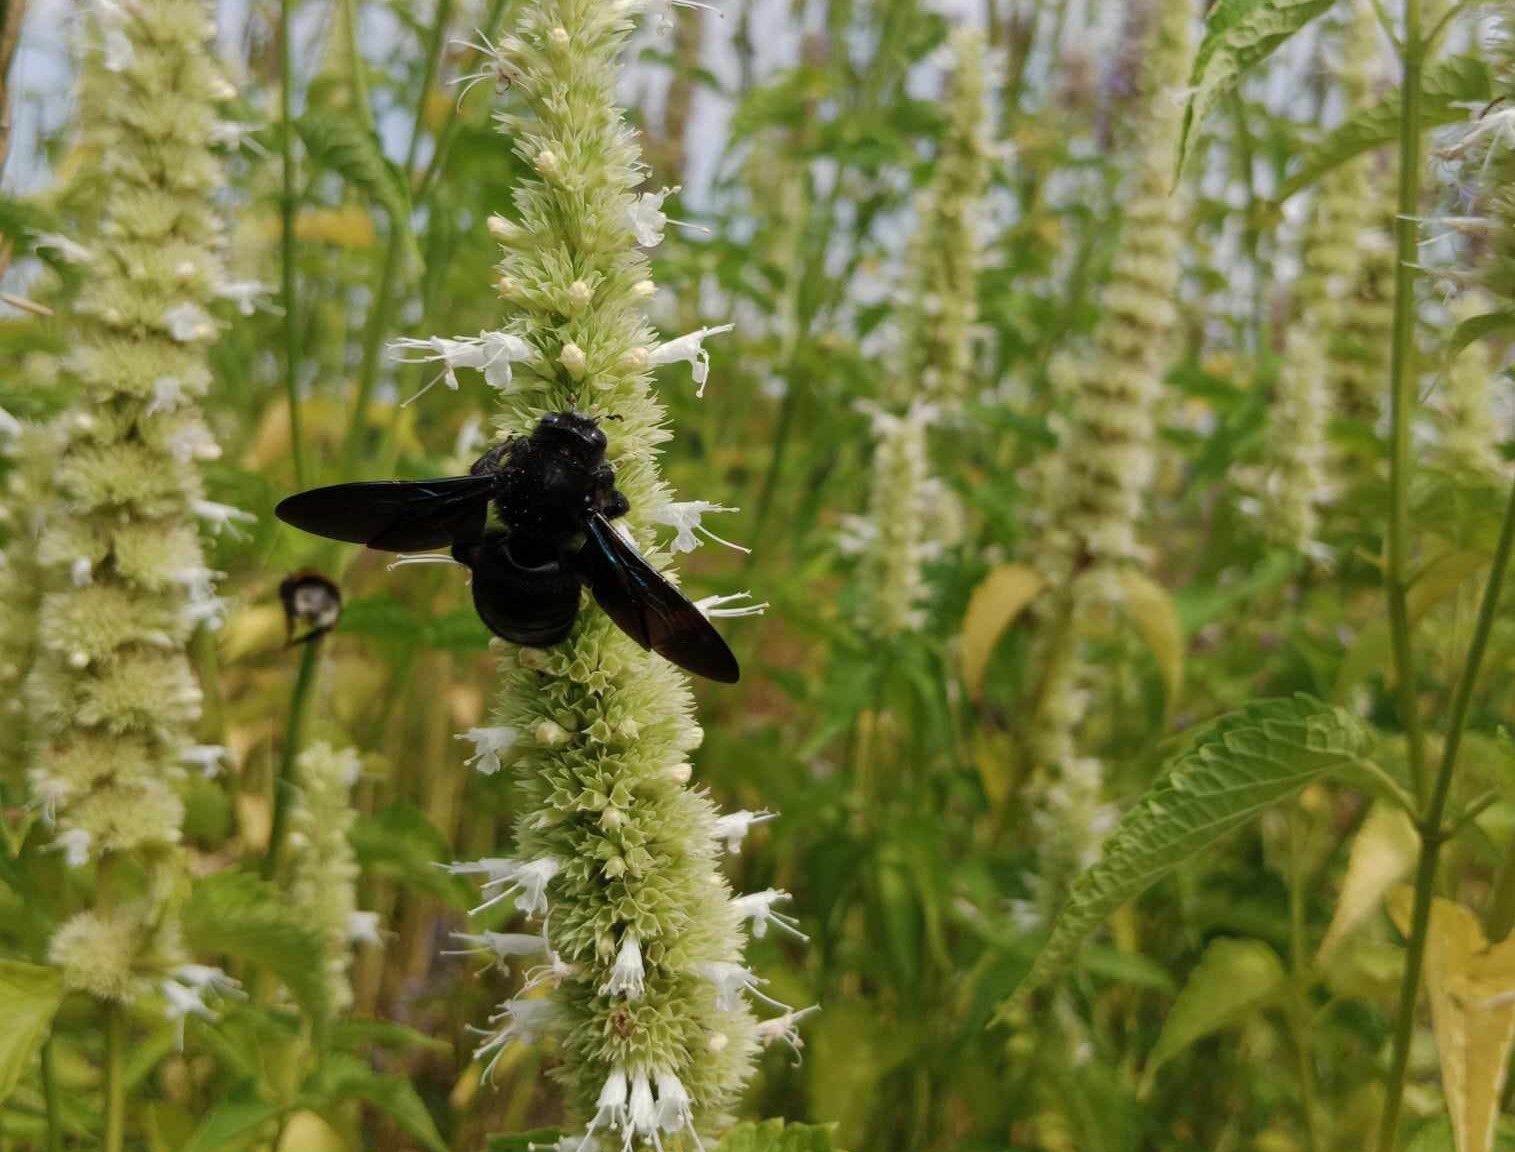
pixel 1432 833
pixel 50 1096
pixel 294 737
pixel 1298 1008
pixel 287 202
pixel 115 1080
pixel 1402 394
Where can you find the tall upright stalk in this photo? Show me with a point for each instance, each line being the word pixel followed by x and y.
pixel 294 737
pixel 287 203
pixel 115 1079
pixel 1402 394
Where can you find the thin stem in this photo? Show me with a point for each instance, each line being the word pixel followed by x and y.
pixel 1299 974
pixel 115 1080
pixel 1402 395
pixel 287 201
pixel 294 735
pixel 1433 834
pixel 50 1097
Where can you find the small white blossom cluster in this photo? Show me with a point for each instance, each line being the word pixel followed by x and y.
pixel 632 962
pixel 111 695
pixel 323 869
pixel 909 521
pixel 940 308
pixel 1106 455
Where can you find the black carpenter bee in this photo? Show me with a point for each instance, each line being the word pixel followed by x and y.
pixel 554 497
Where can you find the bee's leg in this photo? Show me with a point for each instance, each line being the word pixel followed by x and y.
pixel 492 460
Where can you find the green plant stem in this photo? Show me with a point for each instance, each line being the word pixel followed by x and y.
pixel 1432 832
pixel 1402 397
pixel 287 201
pixel 50 1097
pixel 1299 974
pixel 294 736
pixel 115 1080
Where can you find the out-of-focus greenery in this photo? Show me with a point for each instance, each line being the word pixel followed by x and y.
pixel 1246 935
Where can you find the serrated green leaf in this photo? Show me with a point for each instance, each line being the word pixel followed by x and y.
pixel 237 914
pixel 776 1136
pixel 395 1096
pixel 1447 90
pixel 29 996
pixel 1239 765
pixel 1238 35
pixel 1232 979
pixel 343 145
pixel 1475 328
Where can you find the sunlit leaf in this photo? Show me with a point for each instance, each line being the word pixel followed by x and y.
pixel 29 996
pixel 1152 613
pixel 1238 766
pixel 1233 979
pixel 395 1096
pixel 1472 1012
pixel 232 1125
pixel 1383 852
pixel 1238 35
pixel 995 605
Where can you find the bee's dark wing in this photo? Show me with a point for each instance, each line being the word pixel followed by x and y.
pixel 394 515
pixel 647 607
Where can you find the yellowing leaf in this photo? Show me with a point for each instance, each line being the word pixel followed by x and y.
pixel 350 227
pixel 1472 1013
pixel 29 995
pixel 995 605
pixel 1382 855
pixel 1232 979
pixel 1150 610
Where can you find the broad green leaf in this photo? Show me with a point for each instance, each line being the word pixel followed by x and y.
pixel 1233 979
pixel 776 1136
pixel 1238 35
pixel 1449 90
pixel 995 605
pixel 1383 852
pixel 29 996
pixel 1151 612
pixel 237 914
pixel 349 1079
pixel 232 1125
pixel 1472 1014
pixel 1236 767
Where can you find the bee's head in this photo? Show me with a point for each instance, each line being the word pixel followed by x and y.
pixel 572 432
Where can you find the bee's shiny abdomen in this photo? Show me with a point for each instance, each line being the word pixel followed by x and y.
pixel 533 603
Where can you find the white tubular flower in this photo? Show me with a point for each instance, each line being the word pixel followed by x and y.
pixel 219 517
pixel 526 882
pixel 646 217
pixel 245 294
pixel 363 927
pixel 521 1021
pixel 642 1111
pixel 689 350
pixel 610 1107
pixel 685 518
pixel 627 976
pixel 731 980
pixel 758 907
pixel 185 990
pixel 502 946
pixel 209 758
pixel 68 250
pixel 492 353
pixel 74 843
pixel 732 828
pixel 785 1029
pixel 489 745
pixel 729 607
pixel 188 323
